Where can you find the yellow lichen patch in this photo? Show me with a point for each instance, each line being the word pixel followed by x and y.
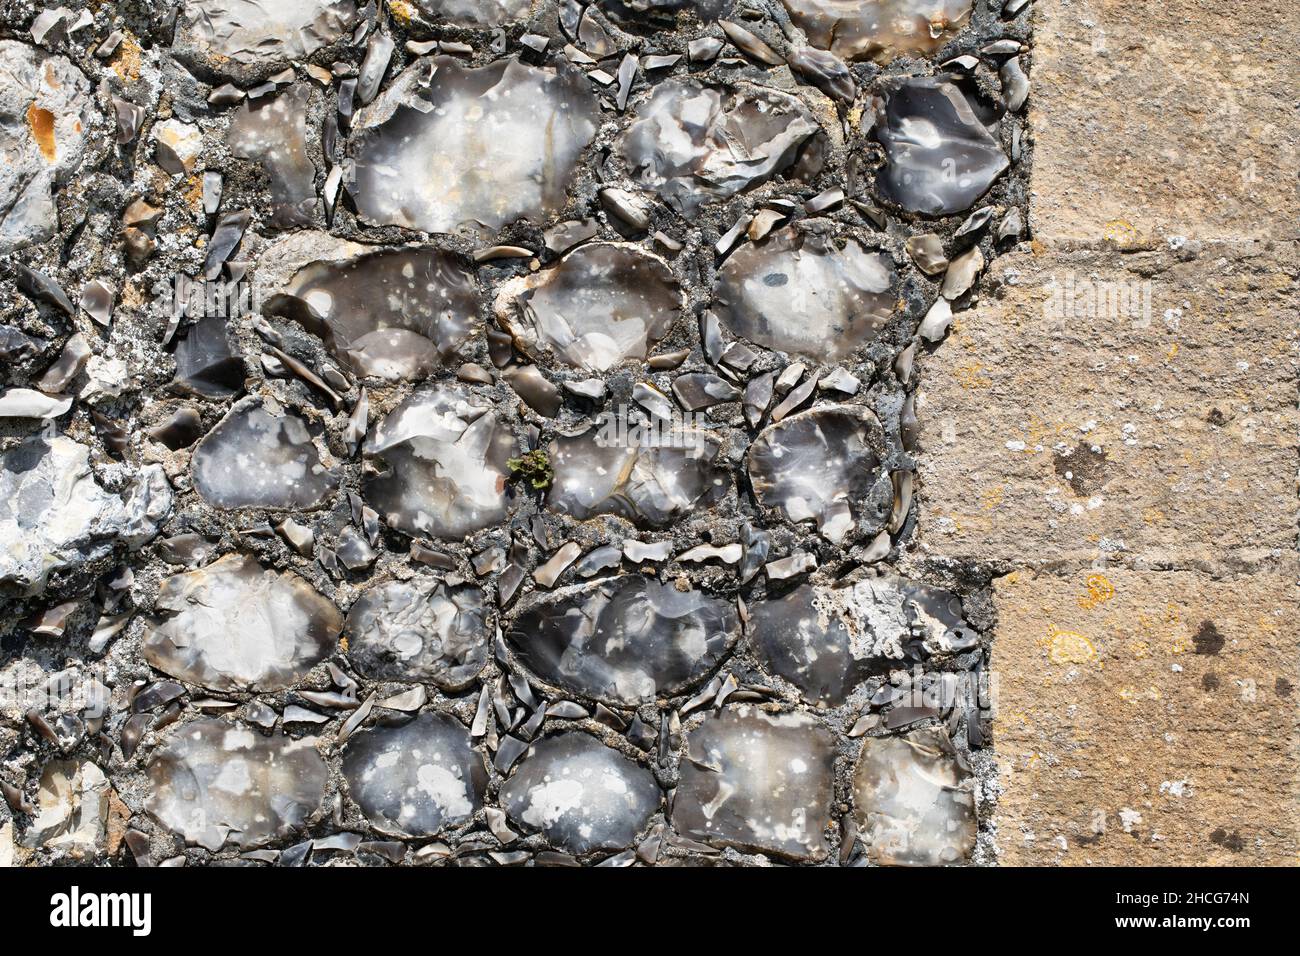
pixel 1068 647
pixel 990 498
pixel 41 123
pixel 1120 231
pixel 127 59
pixel 971 376
pixel 194 191
pixel 1099 591
pixel 402 11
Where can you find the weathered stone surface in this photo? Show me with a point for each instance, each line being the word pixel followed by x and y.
pixel 600 304
pixel 695 144
pixel 650 486
pixel 914 800
pixel 825 641
pixel 53 514
pixel 206 365
pixel 940 156
pixel 260 457
pixel 758 781
pixel 396 314
pixel 419 630
pixel 47 113
pixel 661 14
pixel 473 150
pixel 442 458
pixel 806 294
pixel 246 40
pixel 821 466
pixel 627 640
pixel 71 809
pixel 806 646
pixel 216 781
pixel 1124 155
pixel 581 795
pixel 1147 717
pixel 879 30
pixel 416 779
pixel 1138 407
pixel 236 625
pixel 273 132
pixel 474 13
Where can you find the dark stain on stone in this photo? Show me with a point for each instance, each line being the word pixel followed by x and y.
pixel 1229 841
pixel 1210 681
pixel 1282 687
pixel 1216 418
pixel 1092 840
pixel 1084 468
pixel 1208 640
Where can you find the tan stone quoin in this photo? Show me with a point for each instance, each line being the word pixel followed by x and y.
pixel 1111 431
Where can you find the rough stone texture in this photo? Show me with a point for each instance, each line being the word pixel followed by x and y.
pixel 53 514
pixel 46 113
pixel 1147 718
pixel 452 457
pixel 1156 119
pixel 216 781
pixel 1192 405
pixel 248 39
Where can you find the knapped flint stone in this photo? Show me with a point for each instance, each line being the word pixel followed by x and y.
pixel 820 465
pixel 273 132
pixel 581 795
pixel 474 13
pixel 801 294
pixel 695 144
pixel 654 15
pixel 206 366
pixel 53 514
pixel 939 157
pixel 893 617
pixel 47 113
pixel 599 305
pixel 807 646
pixel 472 150
pixel 914 800
pixel 625 640
pixel 651 486
pixel 256 458
pixel 417 779
pixel 71 809
pixel 879 30
pixel 238 626
pixel 215 781
pixel 16 345
pixel 442 456
pixel 248 40
pixel 397 314
pixel 826 641
pixel 758 781
pixel 419 630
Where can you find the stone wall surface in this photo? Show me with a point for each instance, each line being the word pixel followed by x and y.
pixel 647 433
pixel 1154 120
pixel 1114 427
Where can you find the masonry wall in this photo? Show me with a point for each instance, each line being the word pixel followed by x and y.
pixel 1113 428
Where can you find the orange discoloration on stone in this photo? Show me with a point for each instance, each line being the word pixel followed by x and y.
pixel 41 122
pixel 126 61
